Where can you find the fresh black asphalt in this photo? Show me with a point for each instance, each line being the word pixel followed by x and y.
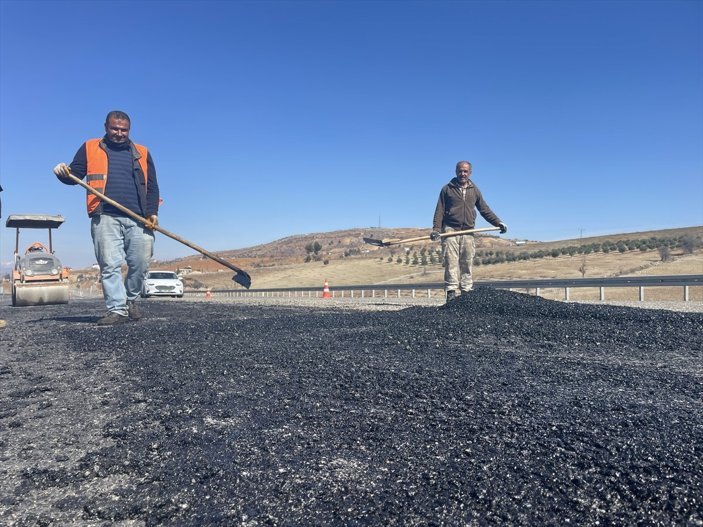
pixel 496 409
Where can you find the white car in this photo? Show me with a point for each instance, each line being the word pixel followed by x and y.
pixel 162 283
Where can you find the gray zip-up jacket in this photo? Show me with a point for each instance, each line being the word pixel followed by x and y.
pixel 459 211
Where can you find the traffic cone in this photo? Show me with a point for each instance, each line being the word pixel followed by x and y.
pixel 326 290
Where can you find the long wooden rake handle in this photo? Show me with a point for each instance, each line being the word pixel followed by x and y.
pixel 241 276
pixel 393 241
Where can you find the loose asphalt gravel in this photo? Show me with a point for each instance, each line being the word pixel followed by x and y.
pixel 496 409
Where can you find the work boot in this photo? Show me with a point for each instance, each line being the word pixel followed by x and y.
pixel 451 295
pixel 133 309
pixel 112 319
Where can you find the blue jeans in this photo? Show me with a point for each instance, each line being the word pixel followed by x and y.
pixel 119 239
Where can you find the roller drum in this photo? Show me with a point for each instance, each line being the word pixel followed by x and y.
pixel 39 294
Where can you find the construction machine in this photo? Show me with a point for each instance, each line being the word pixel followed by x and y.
pixel 38 278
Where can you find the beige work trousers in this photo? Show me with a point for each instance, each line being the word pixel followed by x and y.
pixel 459 254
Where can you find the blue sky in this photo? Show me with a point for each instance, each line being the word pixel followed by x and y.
pixel 275 118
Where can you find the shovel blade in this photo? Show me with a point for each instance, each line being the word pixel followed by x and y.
pixel 242 279
pixel 377 243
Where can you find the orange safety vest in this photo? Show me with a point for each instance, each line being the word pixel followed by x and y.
pixel 96 172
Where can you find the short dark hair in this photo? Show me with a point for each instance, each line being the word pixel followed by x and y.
pixel 117 114
pixel 463 163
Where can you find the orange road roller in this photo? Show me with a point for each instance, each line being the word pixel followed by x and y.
pixel 38 278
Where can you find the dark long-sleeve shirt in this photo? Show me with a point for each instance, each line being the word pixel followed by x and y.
pixel 458 210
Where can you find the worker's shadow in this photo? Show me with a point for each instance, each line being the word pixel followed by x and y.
pixel 80 319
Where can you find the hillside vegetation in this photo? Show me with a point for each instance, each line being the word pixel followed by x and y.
pixel 342 258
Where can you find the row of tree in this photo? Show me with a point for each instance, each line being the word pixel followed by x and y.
pixel 429 256
pixel 687 244
pixel 425 257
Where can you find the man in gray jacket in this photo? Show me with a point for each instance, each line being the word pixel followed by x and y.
pixel 456 211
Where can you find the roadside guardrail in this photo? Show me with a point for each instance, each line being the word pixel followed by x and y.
pixel 437 288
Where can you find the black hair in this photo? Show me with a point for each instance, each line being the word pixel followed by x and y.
pixel 117 114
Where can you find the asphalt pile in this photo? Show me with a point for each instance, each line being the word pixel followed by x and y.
pixel 497 408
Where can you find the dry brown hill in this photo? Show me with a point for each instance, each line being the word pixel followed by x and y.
pixel 338 245
pixel 344 259
pixel 334 245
